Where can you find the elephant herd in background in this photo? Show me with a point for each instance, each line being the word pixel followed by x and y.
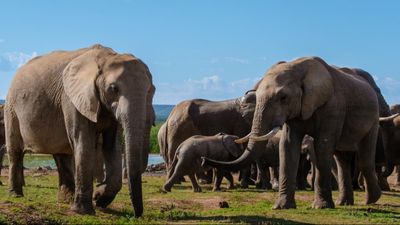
pixel 304 114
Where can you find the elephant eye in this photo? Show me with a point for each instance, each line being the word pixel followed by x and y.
pixel 114 89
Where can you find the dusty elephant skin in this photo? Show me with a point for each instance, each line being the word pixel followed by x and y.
pixel 187 160
pixel 203 117
pixel 340 111
pixel 61 102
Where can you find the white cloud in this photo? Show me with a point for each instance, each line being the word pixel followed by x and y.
pixel 13 60
pixel 208 87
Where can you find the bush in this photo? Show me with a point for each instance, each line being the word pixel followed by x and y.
pixel 153 139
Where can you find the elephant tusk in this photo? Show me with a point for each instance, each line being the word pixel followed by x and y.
pixel 267 136
pixel 388 118
pixel 243 139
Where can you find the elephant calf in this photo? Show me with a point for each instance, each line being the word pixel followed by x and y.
pixel 187 160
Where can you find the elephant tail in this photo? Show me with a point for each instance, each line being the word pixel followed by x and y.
pixel 172 166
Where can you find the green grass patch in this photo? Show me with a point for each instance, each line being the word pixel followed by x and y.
pixel 182 206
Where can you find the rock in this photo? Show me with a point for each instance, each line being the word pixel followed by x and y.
pixel 223 204
pixel 155 167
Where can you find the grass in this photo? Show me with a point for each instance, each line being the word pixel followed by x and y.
pixel 182 206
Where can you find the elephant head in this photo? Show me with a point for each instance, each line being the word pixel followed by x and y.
pixel 247 105
pixel 234 149
pixel 292 90
pixel 103 84
pixel 391 130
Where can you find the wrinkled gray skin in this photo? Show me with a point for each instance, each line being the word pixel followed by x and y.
pixel 269 158
pixel 187 160
pixel 61 102
pixel 203 117
pixel 391 129
pixel 340 111
pixel 2 138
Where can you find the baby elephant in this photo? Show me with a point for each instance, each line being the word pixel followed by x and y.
pixel 187 159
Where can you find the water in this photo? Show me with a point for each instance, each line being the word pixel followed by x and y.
pixel 32 161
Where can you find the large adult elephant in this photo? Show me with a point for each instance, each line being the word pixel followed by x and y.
pixel 61 102
pixel 391 127
pixel 340 111
pixel 204 117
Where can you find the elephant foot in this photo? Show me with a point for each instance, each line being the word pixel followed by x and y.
pixel 167 188
pixel 283 203
pixel 216 189
pixel 103 196
pixel 86 209
pixel 244 184
pixel 397 184
pixel 373 196
pixel 230 186
pixel 204 181
pixel 16 194
pixel 275 186
pixel 322 204
pixel 65 194
pixel 263 185
pixel 197 189
pixel 344 201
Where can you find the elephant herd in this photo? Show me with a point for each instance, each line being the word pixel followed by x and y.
pixel 304 114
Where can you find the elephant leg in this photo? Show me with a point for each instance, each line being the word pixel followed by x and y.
pixel 245 174
pixel 203 177
pixel 196 187
pixel 289 153
pixel 66 184
pixel 175 176
pixel 323 160
pixel 99 163
pixel 112 182
pixel 397 182
pixel 302 172
pixel 2 152
pixel 16 157
pixel 346 196
pixel 229 177
pixel 382 181
pixel 366 162
pixel 219 175
pixel 83 136
pixel 334 177
pixel 274 174
pixel 262 179
pixel 312 176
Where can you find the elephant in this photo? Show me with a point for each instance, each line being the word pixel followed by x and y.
pixel 187 159
pixel 2 138
pixel 60 103
pixel 203 117
pixel 340 111
pixel 391 127
pixel 269 158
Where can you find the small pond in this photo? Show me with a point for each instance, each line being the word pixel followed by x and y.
pixel 34 161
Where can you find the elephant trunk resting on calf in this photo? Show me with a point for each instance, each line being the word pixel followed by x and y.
pixel 308 96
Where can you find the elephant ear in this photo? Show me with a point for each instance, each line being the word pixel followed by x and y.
pixel 234 149
pixel 317 86
pixel 79 81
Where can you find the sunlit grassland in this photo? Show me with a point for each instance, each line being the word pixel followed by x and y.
pixel 183 206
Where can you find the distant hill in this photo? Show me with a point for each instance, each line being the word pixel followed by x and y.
pixel 162 111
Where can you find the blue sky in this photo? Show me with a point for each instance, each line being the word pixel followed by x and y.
pixel 209 49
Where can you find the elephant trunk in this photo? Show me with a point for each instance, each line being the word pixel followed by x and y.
pixel 387 170
pixel 133 123
pixel 254 146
